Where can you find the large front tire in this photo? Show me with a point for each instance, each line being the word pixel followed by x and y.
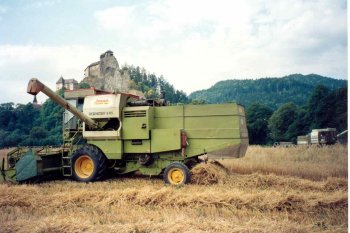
pixel 177 173
pixel 88 164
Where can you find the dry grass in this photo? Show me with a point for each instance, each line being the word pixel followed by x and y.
pixel 212 172
pixel 253 201
pixel 311 162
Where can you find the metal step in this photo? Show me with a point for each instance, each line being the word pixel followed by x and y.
pixel 66 166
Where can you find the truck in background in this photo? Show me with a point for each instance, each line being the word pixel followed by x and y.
pixel 327 136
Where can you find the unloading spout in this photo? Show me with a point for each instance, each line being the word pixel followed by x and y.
pixel 35 86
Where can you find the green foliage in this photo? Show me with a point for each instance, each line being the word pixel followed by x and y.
pixel 257 123
pixel 150 85
pixel 38 133
pixel 25 125
pixel 301 124
pixel 341 110
pixel 16 123
pixel 328 108
pixel 317 101
pixel 272 92
pixel 325 109
pixel 83 85
pixel 280 121
pixel 6 115
pixel 51 115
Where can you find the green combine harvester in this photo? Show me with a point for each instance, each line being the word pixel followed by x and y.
pixel 119 132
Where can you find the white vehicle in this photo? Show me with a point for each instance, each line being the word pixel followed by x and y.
pixel 324 136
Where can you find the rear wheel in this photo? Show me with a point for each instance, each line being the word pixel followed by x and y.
pixel 176 173
pixel 88 164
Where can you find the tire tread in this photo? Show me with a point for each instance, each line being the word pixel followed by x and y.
pixel 177 165
pixel 97 156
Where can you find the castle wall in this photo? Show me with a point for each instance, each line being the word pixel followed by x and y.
pixel 92 71
pixel 106 75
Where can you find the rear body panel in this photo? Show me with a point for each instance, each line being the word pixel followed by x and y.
pixel 219 129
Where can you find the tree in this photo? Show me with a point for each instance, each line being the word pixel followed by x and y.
pixel 148 84
pixel 328 108
pixel 341 110
pixel 38 133
pixel 317 105
pixel 300 125
pixel 27 117
pixel 280 121
pixel 84 85
pixel 257 123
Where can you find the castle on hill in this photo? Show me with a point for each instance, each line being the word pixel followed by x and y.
pixel 104 74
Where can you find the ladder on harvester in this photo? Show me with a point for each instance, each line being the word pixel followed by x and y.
pixel 66 156
pixel 66 166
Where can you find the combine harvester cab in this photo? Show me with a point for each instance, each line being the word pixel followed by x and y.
pixel 120 132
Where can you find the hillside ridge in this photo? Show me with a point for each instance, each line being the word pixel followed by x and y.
pixel 294 88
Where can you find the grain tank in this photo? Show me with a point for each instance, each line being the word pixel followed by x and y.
pixel 119 132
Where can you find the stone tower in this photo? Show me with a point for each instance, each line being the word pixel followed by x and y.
pixel 106 74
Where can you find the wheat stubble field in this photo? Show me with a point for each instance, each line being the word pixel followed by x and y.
pixel 299 189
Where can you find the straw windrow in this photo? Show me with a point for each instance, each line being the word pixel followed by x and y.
pixel 219 199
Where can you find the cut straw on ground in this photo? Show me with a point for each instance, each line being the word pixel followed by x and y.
pixel 269 190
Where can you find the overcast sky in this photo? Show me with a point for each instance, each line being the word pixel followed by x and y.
pixel 193 44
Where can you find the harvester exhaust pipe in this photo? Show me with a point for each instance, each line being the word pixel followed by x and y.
pixel 35 86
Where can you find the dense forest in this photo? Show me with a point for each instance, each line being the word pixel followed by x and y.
pixel 273 112
pixel 325 108
pixel 272 92
pixel 24 124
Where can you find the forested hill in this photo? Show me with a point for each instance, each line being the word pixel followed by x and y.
pixel 272 92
